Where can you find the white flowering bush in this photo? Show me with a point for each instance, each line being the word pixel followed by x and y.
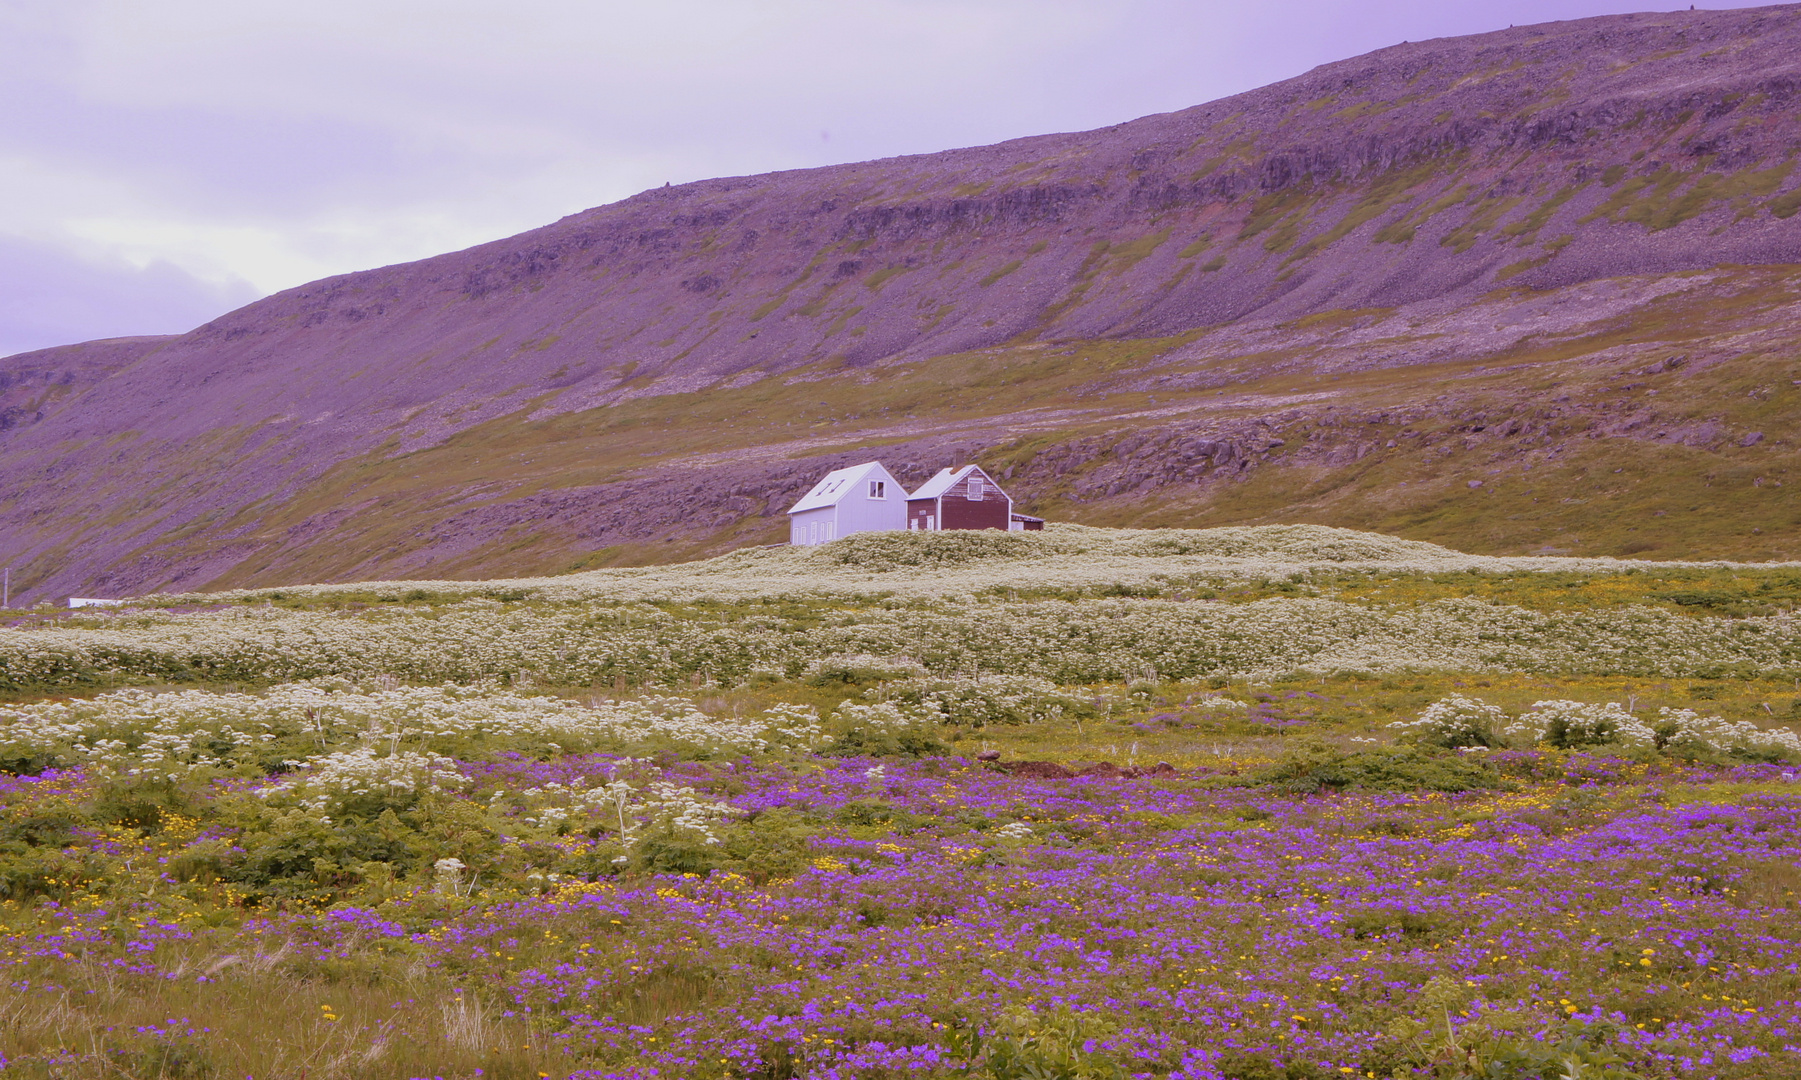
pixel 682 809
pixel 1684 728
pixel 137 732
pixel 364 781
pixel 629 808
pixel 886 727
pixel 985 699
pixel 1067 642
pixel 1456 722
pixel 1217 704
pixel 894 606
pixel 1575 724
pixel 1459 722
pixel 887 716
pixel 860 667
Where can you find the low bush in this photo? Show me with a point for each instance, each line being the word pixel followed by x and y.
pixel 981 700
pixel 1317 767
pixel 1457 722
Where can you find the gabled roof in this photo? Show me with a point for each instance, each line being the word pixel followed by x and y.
pixel 838 483
pixel 947 479
pixel 941 483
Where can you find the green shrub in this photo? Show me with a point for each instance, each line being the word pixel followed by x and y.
pixel 1382 922
pixel 1316 767
pixel 676 852
pixel 879 742
pixel 1237 1064
pixel 293 854
pixel 1024 1045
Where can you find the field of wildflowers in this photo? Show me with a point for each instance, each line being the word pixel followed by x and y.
pixel 1269 804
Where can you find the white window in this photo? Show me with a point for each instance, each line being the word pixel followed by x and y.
pixel 913 524
pixel 931 522
pixel 975 489
pixel 878 489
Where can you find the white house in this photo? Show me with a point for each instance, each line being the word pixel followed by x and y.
pixel 861 498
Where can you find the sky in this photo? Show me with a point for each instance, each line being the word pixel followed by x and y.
pixel 165 161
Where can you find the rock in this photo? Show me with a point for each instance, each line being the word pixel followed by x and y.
pixel 1104 770
pixel 1037 770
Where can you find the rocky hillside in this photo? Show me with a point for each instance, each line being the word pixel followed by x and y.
pixel 1524 291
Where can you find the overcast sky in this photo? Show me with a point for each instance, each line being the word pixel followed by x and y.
pixel 164 161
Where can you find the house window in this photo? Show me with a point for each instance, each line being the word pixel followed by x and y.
pixel 975 489
pixel 878 489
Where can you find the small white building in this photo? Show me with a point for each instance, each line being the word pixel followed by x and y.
pixel 862 498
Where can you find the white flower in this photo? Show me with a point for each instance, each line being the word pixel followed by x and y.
pixel 1456 722
pixel 448 875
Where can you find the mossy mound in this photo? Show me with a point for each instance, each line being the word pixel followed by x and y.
pixel 882 552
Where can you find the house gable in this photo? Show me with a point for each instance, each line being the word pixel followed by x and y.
pixel 966 498
pixel 861 498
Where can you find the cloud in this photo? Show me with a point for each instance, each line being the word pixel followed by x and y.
pixel 50 297
pixel 276 142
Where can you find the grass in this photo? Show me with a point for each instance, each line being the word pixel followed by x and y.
pixel 1301 891
pixel 179 982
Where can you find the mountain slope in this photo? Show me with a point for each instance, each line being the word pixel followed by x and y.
pixel 1549 263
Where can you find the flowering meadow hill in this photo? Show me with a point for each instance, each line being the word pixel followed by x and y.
pixel 1239 803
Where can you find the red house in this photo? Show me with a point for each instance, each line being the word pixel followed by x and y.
pixel 965 498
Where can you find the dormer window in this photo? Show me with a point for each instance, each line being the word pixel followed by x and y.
pixel 878 489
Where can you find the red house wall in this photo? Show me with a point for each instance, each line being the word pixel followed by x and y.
pixel 993 512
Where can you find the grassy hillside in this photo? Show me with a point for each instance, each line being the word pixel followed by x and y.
pixel 1557 262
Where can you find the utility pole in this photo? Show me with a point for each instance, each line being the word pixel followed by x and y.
pixel 6 591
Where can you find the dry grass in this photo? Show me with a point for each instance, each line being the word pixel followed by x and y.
pixel 263 1015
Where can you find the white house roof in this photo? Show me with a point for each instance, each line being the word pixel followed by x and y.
pixel 943 482
pixel 837 484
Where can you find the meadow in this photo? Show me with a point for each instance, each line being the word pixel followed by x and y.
pixel 1259 803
